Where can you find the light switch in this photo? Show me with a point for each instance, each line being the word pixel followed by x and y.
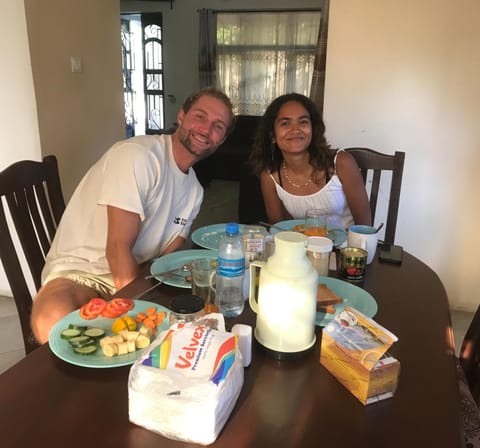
pixel 76 63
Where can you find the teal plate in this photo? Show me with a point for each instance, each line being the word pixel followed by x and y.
pixel 336 234
pixel 352 296
pixel 177 260
pixel 209 236
pixel 64 350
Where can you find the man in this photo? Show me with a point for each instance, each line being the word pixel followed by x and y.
pixel 137 202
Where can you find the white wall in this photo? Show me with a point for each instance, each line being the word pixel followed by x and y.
pixel 18 115
pixel 405 76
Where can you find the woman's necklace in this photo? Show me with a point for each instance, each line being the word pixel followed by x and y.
pixel 284 169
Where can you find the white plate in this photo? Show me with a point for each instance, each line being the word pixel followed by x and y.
pixel 177 260
pixel 64 350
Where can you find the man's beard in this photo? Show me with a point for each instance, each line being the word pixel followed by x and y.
pixel 184 137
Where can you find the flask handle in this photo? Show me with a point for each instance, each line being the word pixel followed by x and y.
pixel 255 267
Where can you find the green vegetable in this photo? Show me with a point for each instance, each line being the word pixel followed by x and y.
pixel 70 333
pixel 87 350
pixel 94 333
pixel 81 341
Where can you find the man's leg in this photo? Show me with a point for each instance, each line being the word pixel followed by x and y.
pixel 54 300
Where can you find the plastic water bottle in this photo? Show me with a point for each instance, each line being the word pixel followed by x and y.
pixel 230 272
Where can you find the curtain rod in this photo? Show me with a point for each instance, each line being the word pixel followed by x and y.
pixel 236 11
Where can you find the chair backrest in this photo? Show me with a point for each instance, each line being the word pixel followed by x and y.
pixel 376 162
pixel 470 356
pixel 30 192
pixel 251 208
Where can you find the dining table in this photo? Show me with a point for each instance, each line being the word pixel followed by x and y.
pixel 45 401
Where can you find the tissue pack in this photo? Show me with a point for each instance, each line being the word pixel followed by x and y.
pixel 354 350
pixel 187 383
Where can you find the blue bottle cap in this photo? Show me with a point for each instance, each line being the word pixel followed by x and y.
pixel 232 228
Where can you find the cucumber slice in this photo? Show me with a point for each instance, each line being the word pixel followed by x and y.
pixel 70 333
pixel 81 341
pixel 87 350
pixel 94 333
pixel 81 328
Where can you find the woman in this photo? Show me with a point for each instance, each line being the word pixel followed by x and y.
pixel 299 171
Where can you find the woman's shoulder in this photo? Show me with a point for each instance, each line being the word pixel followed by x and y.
pixel 343 157
pixel 345 163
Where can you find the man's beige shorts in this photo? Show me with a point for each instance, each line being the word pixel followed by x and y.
pixel 102 283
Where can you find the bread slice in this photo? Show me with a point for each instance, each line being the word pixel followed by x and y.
pixel 328 309
pixel 326 299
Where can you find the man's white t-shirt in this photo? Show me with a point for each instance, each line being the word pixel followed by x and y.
pixel 139 175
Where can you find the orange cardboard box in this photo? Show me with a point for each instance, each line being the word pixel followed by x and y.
pixel 354 350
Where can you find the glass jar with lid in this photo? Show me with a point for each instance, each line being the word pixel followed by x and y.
pixel 186 308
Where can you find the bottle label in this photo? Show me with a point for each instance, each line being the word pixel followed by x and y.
pixel 231 267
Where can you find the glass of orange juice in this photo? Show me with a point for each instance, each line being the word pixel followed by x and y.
pixel 315 223
pixel 202 272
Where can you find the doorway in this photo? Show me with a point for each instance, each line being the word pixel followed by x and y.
pixel 142 67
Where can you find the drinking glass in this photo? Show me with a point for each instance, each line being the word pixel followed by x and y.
pixel 202 272
pixel 315 223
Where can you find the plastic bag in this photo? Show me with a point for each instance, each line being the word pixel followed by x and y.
pixel 186 385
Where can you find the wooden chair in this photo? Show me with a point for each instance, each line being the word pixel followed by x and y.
pixel 370 160
pixel 251 208
pixel 468 372
pixel 470 356
pixel 30 192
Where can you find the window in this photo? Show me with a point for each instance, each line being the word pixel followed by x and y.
pixel 142 64
pixel 261 55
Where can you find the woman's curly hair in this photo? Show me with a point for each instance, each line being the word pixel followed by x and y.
pixel 266 154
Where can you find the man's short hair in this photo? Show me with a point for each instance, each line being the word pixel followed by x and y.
pixel 215 93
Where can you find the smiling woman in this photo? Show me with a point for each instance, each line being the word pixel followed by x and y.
pixel 299 171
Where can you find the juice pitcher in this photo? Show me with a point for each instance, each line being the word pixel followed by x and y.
pixel 286 301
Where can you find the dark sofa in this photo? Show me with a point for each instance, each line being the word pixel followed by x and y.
pixel 229 158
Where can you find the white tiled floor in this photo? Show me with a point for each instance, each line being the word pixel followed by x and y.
pixel 220 205
pixel 11 342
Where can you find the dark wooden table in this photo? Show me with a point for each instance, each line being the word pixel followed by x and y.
pixel 47 402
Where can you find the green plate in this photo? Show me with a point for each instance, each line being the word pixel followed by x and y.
pixel 177 260
pixel 209 236
pixel 64 350
pixel 352 296
pixel 336 234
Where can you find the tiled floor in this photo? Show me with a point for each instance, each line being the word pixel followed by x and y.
pixel 220 205
pixel 11 342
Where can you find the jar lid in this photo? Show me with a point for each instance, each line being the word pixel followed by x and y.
pixel 186 304
pixel 319 244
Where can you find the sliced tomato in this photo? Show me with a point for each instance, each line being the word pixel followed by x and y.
pixel 84 314
pixel 123 304
pixel 111 311
pixel 92 308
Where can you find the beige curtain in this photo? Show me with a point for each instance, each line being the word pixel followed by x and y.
pixel 265 54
